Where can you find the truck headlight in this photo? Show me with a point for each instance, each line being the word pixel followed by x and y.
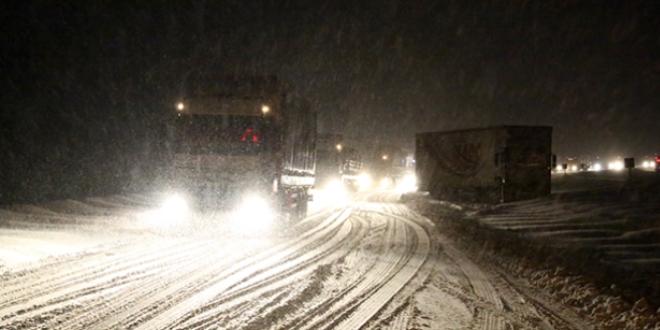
pixel 253 213
pixel 173 209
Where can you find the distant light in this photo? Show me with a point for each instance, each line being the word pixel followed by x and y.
pixel 616 165
pixel 265 109
pixel 574 168
pixel 180 106
pixel 597 167
pixel 559 168
pixel 384 157
pixel 338 147
pixel 385 183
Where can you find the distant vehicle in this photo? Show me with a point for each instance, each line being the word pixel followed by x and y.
pixel 350 168
pixel 657 163
pixel 243 140
pixel 337 163
pixel 493 164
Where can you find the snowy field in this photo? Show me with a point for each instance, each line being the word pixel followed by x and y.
pixel 603 211
pixel 593 245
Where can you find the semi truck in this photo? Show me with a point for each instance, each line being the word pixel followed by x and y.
pixel 244 141
pixel 491 164
pixel 350 168
pixel 337 162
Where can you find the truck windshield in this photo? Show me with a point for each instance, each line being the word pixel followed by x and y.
pixel 223 134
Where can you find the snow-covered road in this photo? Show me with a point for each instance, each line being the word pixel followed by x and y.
pixel 370 263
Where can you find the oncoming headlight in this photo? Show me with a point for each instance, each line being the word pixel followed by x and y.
pixel 385 183
pixel 409 183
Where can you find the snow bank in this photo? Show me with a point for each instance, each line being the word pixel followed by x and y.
pixel 592 246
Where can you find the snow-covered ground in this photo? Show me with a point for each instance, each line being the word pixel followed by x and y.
pixel 368 262
pixel 593 245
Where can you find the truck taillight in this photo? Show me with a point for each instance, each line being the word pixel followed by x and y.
pixel 249 135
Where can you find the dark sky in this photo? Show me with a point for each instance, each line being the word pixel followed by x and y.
pixel 374 69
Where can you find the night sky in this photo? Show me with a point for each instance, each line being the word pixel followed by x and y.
pixel 78 79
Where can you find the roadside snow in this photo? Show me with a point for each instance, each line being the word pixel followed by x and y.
pixel 23 246
pixel 593 246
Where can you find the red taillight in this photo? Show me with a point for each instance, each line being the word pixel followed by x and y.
pixel 249 135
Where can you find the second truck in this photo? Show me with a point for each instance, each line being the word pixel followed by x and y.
pixel 491 164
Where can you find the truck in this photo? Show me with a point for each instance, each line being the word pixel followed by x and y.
pixel 387 165
pixel 337 162
pixel 244 141
pixel 350 168
pixel 495 164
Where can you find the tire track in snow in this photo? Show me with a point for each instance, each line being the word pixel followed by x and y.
pixel 238 273
pixel 354 296
pixel 56 291
pixel 164 288
pixel 25 290
pixel 415 257
pixel 284 275
pixel 136 276
pixel 359 302
pixel 332 310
